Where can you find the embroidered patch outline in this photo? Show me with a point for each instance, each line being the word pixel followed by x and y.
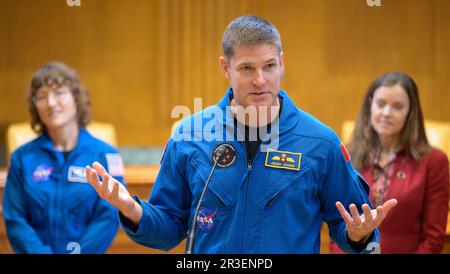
pixel 77 174
pixel 282 160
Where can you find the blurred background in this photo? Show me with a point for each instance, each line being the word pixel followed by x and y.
pixel 141 58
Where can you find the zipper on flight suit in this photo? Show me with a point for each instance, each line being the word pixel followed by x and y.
pixel 56 210
pixel 249 169
pixel 54 213
pixel 59 208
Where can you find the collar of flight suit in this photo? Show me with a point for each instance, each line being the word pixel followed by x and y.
pixel 289 112
pixel 84 136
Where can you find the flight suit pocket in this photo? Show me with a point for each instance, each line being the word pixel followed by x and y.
pixel 38 206
pixel 287 179
pixel 38 211
pixel 213 218
pixel 215 194
pixel 224 184
pixel 79 205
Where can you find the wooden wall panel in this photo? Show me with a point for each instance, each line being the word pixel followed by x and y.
pixel 442 60
pixel 141 58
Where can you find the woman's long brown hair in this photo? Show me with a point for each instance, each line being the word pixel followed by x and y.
pixel 412 139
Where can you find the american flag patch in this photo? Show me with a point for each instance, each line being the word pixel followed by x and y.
pixel 115 164
pixel 345 153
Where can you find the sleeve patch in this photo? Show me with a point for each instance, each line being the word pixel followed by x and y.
pixel 345 152
pixel 115 164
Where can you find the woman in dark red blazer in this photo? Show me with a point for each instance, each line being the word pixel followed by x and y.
pixel 391 150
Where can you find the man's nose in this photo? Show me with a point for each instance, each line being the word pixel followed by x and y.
pixel 259 79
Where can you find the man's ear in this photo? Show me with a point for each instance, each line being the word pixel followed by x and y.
pixel 281 64
pixel 224 66
pixel 281 60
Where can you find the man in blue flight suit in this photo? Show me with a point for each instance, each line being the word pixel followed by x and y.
pixel 269 194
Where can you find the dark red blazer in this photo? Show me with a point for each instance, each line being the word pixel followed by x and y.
pixel 417 224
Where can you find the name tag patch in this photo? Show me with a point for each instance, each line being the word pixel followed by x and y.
pixel 77 174
pixel 283 159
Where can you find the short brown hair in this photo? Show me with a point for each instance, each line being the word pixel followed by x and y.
pixel 249 30
pixel 413 139
pixel 59 74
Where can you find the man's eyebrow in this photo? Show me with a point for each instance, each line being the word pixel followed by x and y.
pixel 245 64
pixel 271 60
pixel 251 64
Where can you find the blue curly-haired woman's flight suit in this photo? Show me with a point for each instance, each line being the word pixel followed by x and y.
pixel 48 205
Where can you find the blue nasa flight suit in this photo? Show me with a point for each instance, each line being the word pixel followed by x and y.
pixel 47 202
pixel 257 205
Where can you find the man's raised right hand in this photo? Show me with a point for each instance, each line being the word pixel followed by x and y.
pixel 113 192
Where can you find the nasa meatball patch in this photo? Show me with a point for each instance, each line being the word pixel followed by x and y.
pixel 205 219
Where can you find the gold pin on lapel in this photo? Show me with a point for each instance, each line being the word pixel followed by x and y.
pixel 401 175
